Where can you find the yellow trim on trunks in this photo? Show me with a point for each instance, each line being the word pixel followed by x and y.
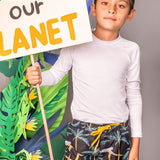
pixel 100 130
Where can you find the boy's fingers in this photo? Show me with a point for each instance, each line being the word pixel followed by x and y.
pixel 35 80
pixel 37 65
pixel 35 70
pixel 34 77
pixel 33 74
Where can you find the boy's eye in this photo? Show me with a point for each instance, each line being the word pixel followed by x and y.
pixel 121 6
pixel 104 3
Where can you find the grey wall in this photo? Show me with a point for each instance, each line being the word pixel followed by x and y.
pixel 3 81
pixel 144 29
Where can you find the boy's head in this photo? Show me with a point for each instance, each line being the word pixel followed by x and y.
pixel 131 4
pixel 111 15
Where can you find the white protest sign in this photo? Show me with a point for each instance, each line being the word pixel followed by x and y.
pixel 33 26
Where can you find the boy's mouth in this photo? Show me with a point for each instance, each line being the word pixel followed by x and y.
pixel 110 18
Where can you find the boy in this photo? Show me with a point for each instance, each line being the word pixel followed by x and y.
pixel 106 90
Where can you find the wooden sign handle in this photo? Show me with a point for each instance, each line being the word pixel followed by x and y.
pixel 44 117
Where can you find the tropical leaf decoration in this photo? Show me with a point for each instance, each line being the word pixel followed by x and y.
pixel 58 146
pixel 56 99
pixel 10 100
pixel 30 143
pixel 9 67
pixel 41 148
pixel 20 114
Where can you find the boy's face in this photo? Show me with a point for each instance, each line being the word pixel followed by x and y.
pixel 112 14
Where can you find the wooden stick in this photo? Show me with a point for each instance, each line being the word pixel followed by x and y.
pixel 44 117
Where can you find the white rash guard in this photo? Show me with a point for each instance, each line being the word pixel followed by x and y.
pixel 106 83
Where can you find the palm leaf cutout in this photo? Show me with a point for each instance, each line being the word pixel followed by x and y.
pixel 9 103
pixel 54 98
pixel 53 134
pixel 58 145
pixel 23 111
pixel 15 106
pixel 9 67
pixel 28 144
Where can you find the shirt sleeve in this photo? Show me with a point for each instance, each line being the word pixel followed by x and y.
pixel 134 99
pixel 59 69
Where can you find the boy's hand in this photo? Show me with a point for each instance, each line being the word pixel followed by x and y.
pixel 134 152
pixel 33 74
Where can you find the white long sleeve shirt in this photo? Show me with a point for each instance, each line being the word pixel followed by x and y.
pixel 106 83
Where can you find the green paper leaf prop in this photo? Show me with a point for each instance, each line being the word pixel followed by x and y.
pixel 15 106
pixel 9 104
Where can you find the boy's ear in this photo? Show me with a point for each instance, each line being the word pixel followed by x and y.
pixel 93 9
pixel 131 15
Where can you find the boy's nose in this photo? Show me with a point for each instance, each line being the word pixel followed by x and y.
pixel 111 11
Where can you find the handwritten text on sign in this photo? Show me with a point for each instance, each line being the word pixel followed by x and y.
pixel 29 26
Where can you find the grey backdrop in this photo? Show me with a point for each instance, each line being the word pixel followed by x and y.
pixel 144 29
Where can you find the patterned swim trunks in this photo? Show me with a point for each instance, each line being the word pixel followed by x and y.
pixel 88 141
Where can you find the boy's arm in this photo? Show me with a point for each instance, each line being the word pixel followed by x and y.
pixel 134 152
pixel 59 69
pixel 134 101
pixel 52 76
pixel 133 91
